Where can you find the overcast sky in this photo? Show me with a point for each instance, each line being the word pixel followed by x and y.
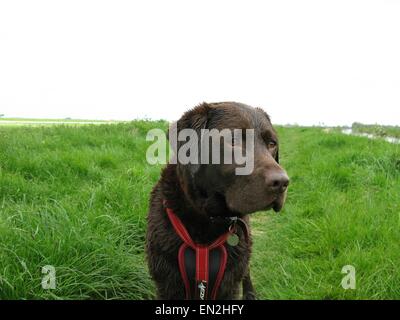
pixel 305 62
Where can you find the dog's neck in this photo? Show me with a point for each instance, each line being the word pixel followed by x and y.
pixel 201 213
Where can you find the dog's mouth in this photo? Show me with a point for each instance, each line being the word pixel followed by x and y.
pixel 277 207
pixel 273 206
pixel 273 202
pixel 278 203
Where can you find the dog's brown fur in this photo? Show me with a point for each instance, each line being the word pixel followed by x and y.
pixel 198 192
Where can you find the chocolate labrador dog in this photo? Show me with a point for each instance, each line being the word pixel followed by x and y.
pixel 206 198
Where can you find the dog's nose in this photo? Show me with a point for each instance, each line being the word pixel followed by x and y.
pixel 278 181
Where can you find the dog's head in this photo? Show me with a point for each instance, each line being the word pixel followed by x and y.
pixel 219 187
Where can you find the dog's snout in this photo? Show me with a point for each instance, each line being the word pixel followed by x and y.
pixel 278 181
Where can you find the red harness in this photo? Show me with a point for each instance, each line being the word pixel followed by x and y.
pixel 205 264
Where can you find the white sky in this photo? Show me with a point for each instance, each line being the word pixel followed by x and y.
pixel 305 62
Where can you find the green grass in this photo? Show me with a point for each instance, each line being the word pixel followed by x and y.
pixel 76 197
pixel 343 208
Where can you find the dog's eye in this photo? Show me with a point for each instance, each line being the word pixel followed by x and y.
pixel 271 144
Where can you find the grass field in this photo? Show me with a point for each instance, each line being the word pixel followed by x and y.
pixel 76 197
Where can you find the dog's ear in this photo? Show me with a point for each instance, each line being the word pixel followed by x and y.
pixel 195 119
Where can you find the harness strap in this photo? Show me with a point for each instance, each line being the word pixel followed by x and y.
pixel 202 272
pixel 182 232
pixel 180 228
pixel 202 259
